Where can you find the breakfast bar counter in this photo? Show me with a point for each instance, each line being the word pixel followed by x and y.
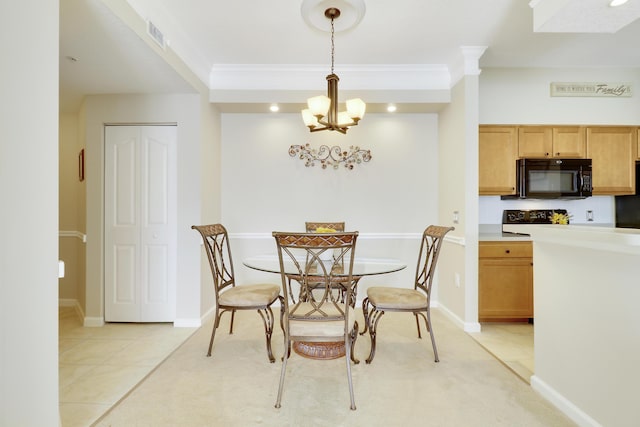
pixel 587 321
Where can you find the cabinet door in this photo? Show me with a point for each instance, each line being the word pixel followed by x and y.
pixel 505 288
pixel 546 142
pixel 497 156
pixel 569 142
pixel 535 142
pixel 613 151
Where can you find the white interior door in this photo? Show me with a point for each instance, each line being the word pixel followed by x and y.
pixel 140 223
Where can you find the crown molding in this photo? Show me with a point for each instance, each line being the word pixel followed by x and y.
pixel 311 77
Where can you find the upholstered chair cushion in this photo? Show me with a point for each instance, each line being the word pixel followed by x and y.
pixel 320 328
pixel 384 298
pixel 250 295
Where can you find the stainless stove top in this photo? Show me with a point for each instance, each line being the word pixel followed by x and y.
pixel 530 216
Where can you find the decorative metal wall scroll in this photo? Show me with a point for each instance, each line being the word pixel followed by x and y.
pixel 330 157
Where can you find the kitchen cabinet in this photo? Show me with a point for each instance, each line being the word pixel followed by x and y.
pixel 551 141
pixel 498 150
pixel 505 281
pixel 613 151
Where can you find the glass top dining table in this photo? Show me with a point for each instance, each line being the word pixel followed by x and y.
pixel 361 266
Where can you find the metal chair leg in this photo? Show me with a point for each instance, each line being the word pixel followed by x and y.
pixel 216 323
pixel 365 312
pixel 433 340
pixel 268 321
pixel 283 371
pixel 233 315
pixel 348 360
pixel 353 337
pixel 374 318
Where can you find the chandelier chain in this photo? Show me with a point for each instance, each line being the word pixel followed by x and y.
pixel 332 46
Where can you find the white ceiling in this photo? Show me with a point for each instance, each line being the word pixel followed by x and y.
pixel 223 40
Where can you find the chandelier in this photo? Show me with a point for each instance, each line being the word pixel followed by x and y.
pixel 322 113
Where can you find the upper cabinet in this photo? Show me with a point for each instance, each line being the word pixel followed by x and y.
pixel 497 154
pixel 551 141
pixel 613 151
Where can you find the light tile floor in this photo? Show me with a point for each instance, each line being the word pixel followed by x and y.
pixel 99 366
pixel 511 343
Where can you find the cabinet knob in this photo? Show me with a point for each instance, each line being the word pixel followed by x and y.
pixel 507 251
pixel 546 154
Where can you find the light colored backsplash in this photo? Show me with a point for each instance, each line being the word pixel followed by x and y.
pixel 490 208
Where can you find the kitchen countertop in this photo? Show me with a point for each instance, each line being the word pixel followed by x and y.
pixel 621 240
pixel 493 233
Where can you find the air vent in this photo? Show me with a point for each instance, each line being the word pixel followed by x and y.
pixel 156 34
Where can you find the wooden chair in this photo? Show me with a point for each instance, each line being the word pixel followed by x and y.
pixel 381 299
pixel 230 297
pixel 317 320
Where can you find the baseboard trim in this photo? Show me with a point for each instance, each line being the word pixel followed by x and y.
pixel 67 302
pixel 73 233
pixel 93 322
pixel 187 323
pixel 465 326
pixel 562 403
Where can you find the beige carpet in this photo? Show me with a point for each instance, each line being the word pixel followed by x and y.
pixel 402 387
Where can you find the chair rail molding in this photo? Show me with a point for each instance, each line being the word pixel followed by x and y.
pixel 77 234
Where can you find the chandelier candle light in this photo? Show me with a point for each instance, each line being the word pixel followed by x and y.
pixel 322 113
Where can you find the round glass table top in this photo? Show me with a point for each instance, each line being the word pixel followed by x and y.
pixel 361 266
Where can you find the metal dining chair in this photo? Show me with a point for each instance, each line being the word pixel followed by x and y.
pixel 229 297
pixel 323 319
pixel 381 299
pixel 312 227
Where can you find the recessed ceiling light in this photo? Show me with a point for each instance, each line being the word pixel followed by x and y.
pixel 391 108
pixel 274 108
pixel 615 3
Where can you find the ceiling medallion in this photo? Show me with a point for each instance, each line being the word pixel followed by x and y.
pixel 351 13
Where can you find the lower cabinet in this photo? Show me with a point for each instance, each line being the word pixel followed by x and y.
pixel 505 281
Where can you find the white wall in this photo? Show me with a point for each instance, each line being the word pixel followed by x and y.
pixel 29 214
pixel 458 174
pixel 522 96
pixel 389 200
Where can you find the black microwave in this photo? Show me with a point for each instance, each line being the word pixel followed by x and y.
pixel 554 178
